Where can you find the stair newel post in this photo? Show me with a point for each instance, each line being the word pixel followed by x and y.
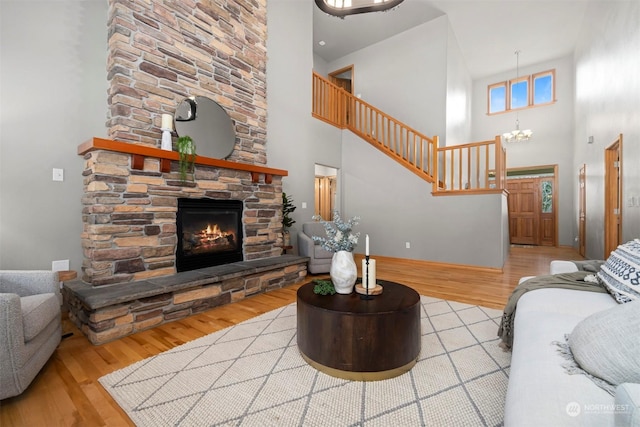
pixel 433 153
pixel 500 164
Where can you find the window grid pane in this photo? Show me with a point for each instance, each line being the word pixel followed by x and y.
pixel 520 94
pixel 543 89
pixel 497 99
pixel 547 196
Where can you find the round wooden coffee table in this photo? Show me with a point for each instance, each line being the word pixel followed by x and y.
pixel 363 340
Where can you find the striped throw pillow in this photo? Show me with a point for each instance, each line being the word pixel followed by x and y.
pixel 620 274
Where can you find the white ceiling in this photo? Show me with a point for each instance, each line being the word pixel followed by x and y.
pixel 488 31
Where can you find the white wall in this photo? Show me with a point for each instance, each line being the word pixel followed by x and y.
pixel 295 140
pixel 405 76
pixel 54 97
pixel 396 207
pixel 458 99
pixel 552 127
pixel 607 98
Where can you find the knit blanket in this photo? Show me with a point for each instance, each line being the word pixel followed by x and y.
pixel 565 280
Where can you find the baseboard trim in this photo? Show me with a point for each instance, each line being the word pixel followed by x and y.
pixel 422 262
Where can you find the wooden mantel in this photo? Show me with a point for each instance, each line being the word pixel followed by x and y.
pixel 140 152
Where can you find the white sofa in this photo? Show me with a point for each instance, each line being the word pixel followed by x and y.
pixel 540 392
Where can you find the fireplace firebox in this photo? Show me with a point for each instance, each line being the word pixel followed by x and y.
pixel 209 233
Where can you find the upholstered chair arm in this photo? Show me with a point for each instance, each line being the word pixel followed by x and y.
pixel 305 245
pixel 11 341
pixel 29 282
pixel 559 266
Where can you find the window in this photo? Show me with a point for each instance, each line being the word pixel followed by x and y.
pixel 523 92
pixel 498 97
pixel 544 88
pixel 546 188
pixel 519 93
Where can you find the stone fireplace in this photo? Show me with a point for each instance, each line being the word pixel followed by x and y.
pixel 131 201
pixel 131 277
pixel 159 53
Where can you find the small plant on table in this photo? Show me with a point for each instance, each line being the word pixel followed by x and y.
pixel 323 287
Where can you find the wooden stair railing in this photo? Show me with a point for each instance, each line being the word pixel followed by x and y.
pixel 475 167
pixel 462 169
pixel 407 146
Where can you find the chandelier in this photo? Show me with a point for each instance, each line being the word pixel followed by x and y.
pixel 517 134
pixel 351 7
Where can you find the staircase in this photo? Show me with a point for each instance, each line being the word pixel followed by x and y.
pixel 475 168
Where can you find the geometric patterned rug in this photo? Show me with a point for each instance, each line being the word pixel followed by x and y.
pixel 251 374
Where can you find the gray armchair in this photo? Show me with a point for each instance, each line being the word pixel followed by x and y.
pixel 320 260
pixel 30 326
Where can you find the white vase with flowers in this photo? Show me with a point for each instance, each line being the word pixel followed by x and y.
pixel 342 241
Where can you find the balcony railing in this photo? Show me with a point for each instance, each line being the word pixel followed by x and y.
pixel 474 167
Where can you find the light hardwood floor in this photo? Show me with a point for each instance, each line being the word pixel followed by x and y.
pixel 67 391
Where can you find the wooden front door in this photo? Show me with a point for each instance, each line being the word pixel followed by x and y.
pixel 523 207
pixel 533 211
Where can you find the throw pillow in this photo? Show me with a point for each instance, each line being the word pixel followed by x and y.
pixel 606 345
pixel 620 274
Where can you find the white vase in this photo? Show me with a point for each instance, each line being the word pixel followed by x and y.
pixel 343 272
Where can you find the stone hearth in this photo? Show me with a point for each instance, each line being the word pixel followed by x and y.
pixel 106 313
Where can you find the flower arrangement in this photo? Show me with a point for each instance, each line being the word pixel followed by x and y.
pixel 339 234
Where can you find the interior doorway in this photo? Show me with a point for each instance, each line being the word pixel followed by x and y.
pixel 533 205
pixel 612 196
pixel 343 78
pixel 326 190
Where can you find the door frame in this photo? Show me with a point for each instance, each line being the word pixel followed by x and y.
pixel 582 210
pixel 555 198
pixel 333 76
pixel 612 196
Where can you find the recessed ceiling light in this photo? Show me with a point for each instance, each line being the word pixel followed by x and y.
pixel 321 43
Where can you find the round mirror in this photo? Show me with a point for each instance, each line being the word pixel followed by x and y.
pixel 208 124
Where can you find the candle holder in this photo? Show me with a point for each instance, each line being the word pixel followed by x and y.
pixel 366 295
pixel 166 139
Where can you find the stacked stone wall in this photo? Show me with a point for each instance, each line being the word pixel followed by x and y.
pixel 160 52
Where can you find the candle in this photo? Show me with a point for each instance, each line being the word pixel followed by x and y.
pixel 371 282
pixel 167 122
pixel 366 246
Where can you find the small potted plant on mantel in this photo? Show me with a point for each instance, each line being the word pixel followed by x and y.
pixel 186 148
pixel 287 209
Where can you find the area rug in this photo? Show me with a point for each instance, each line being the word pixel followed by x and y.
pixel 252 374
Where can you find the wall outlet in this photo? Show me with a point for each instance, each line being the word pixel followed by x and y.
pixel 58 174
pixel 60 265
pixel 407 245
pixel 304 205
